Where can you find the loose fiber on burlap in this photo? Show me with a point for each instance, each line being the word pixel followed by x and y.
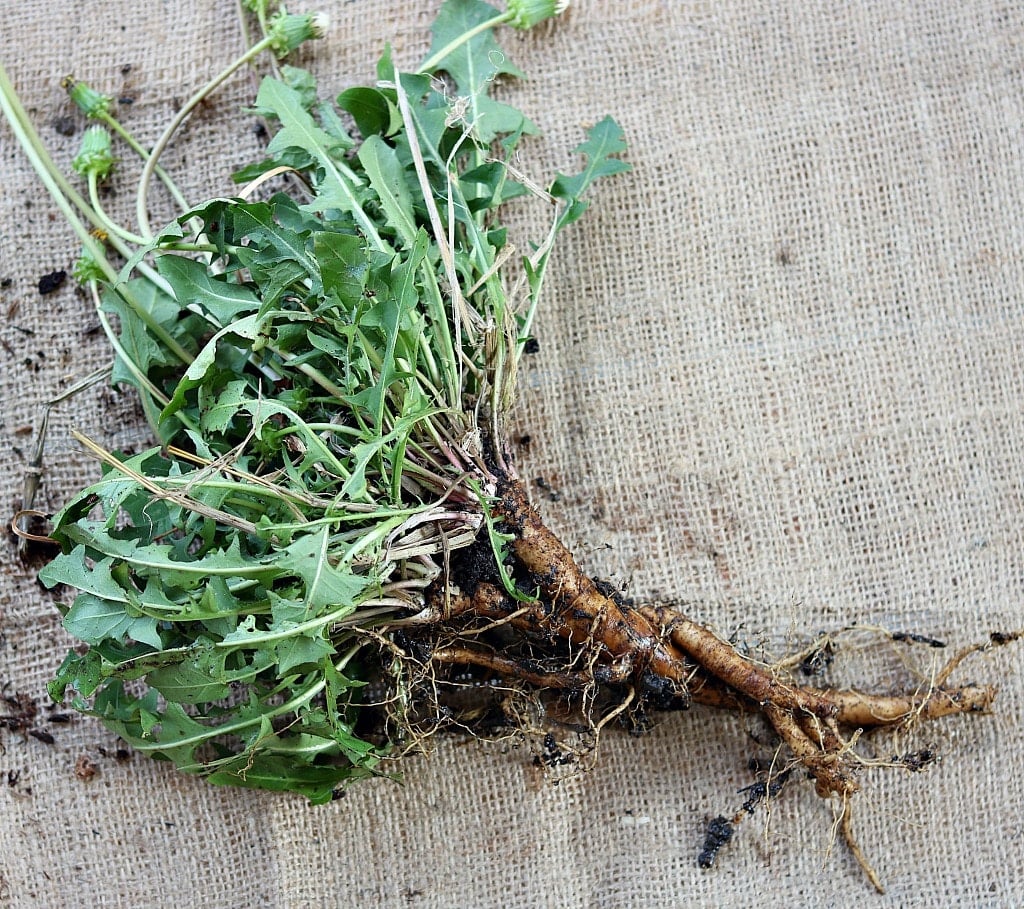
pixel 779 379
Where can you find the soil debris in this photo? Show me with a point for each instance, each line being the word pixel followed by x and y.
pixel 719 832
pixel 50 282
pixel 910 637
pixel 916 761
pixel 85 768
pixel 818 660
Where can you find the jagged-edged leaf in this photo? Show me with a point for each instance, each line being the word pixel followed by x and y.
pixel 245 328
pixel 343 266
pixel 193 284
pixel 604 140
pixel 310 558
pixel 474 65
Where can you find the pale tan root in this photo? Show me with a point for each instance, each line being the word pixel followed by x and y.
pixel 613 641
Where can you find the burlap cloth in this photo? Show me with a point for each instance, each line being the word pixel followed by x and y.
pixel 779 378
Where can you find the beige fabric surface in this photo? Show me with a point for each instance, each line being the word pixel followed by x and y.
pixel 779 378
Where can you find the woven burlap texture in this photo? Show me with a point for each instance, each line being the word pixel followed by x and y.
pixel 779 379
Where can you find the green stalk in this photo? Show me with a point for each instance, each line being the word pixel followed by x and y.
pixel 111 226
pixel 51 177
pixel 136 146
pixel 147 172
pixel 433 61
pixel 61 192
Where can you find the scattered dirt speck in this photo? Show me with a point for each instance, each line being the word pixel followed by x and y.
pixel 85 768
pixel 50 282
pixel 63 125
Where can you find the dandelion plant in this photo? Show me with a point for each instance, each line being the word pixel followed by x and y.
pixel 329 529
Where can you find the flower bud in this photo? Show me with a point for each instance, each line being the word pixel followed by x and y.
pixel 89 102
pixel 95 156
pixel 288 30
pixel 527 13
pixel 87 268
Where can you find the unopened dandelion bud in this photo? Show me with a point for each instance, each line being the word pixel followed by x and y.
pixel 95 155
pixel 87 268
pixel 288 30
pixel 89 101
pixel 527 13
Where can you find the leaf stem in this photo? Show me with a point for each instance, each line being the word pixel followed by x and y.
pixel 111 226
pixel 67 200
pixel 434 60
pixel 136 146
pixel 141 212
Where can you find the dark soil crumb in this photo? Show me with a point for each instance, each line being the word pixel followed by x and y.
pixel 21 712
pixel 1002 637
pixel 120 754
pixel 552 494
pixel 910 637
pixel 916 761
pixel 65 126
pixel 552 755
pixel 720 831
pixel 816 662
pixel 49 283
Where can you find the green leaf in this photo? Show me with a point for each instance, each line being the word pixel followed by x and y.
pixel 193 284
pixel 72 569
pixel 342 261
pixel 302 82
pixel 387 178
pixel 301 653
pixel 338 686
pixel 187 683
pixel 230 402
pixel 78 671
pixel 393 311
pixel 102 610
pixel 161 558
pixel 603 140
pixel 175 735
pixel 297 129
pixel 93 620
pixel 245 328
pixel 374 112
pixel 337 185
pixel 279 774
pixel 274 241
pixel 309 558
pixel 143 349
pixel 474 65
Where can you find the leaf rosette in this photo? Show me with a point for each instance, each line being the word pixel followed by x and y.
pixel 328 370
